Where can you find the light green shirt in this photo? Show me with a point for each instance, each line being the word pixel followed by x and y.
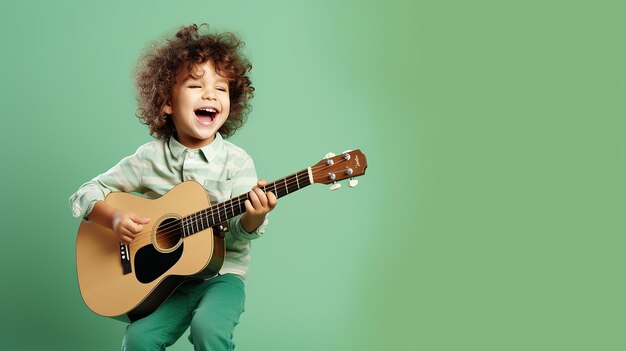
pixel 223 168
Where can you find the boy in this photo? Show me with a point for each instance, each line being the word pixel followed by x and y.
pixel 192 90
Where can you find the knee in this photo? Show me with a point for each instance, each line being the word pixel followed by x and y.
pixel 139 339
pixel 205 335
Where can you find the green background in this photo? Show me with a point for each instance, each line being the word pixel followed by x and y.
pixel 491 216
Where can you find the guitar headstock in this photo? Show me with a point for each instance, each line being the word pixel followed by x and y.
pixel 331 169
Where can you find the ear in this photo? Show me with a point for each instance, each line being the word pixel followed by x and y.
pixel 167 108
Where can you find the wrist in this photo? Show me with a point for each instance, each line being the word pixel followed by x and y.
pixel 250 222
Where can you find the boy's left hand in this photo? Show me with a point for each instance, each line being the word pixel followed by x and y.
pixel 259 204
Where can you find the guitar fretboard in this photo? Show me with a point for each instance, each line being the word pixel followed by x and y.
pixel 223 211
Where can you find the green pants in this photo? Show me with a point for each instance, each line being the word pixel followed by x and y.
pixel 210 308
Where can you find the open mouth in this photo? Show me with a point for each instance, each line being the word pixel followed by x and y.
pixel 206 114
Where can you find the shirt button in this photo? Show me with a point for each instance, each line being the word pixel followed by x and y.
pixel 192 154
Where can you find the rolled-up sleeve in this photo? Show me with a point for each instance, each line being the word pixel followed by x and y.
pixel 83 200
pixel 243 181
pixel 124 176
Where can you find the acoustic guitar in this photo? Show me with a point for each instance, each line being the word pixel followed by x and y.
pixel 183 241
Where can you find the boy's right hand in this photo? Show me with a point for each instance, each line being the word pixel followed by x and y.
pixel 126 225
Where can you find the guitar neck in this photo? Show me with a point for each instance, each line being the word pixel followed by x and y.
pixel 223 211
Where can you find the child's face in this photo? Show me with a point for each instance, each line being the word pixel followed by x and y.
pixel 199 106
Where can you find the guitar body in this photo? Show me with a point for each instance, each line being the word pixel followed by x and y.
pixel 159 259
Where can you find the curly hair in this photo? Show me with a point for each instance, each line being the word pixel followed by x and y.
pixel 157 71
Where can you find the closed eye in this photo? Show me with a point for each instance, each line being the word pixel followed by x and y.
pixel 195 86
pixel 221 89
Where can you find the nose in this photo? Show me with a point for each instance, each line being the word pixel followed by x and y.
pixel 209 93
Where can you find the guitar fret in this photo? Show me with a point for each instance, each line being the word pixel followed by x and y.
pixel 200 221
pixel 225 210
pixel 186 226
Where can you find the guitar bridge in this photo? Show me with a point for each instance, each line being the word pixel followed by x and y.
pixel 125 258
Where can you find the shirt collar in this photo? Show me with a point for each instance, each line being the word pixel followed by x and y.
pixel 209 151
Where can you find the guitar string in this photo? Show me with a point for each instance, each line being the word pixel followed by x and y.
pixel 173 229
pixel 300 174
pixel 294 176
pixel 223 208
pixel 219 210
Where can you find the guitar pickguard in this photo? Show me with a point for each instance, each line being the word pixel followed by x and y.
pixel 151 264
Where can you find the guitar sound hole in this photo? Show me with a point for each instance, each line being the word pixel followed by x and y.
pixel 168 234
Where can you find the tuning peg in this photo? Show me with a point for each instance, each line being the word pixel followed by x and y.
pixel 335 186
pixel 328 157
pixel 353 182
pixel 346 155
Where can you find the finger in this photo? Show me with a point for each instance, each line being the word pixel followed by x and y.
pixel 249 207
pixel 130 227
pixel 143 220
pixel 127 232
pixel 139 219
pixel 126 239
pixel 261 182
pixel 137 228
pixel 271 199
pixel 253 197
pixel 261 196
